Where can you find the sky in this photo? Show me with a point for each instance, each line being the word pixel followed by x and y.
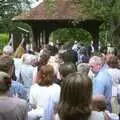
pixel 36 3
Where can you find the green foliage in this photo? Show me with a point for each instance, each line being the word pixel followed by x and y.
pixel 49 6
pixel 3 39
pixel 49 3
pixel 9 9
pixel 109 12
pixel 71 34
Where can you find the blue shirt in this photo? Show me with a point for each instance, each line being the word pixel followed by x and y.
pixel 102 84
pixel 17 89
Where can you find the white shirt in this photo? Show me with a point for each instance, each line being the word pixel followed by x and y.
pixel 39 94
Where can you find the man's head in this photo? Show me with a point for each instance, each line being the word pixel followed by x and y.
pixel 5 82
pixel 95 64
pixel 66 68
pixel 44 57
pixel 84 68
pixel 6 64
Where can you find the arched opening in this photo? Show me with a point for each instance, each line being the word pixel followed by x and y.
pixel 71 34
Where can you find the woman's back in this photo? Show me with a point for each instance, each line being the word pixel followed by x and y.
pixel 94 116
pixel 39 94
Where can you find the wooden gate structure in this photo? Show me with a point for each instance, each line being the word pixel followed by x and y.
pixel 46 18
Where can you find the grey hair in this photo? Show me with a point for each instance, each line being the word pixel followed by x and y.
pixel 83 67
pixel 96 60
pixel 8 50
pixel 29 59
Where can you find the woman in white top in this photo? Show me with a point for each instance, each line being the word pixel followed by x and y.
pixel 75 99
pixel 112 62
pixel 41 91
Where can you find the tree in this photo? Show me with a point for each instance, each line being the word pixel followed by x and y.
pixel 109 12
pixel 71 34
pixel 9 9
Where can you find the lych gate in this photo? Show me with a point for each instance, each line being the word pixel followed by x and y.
pixel 45 18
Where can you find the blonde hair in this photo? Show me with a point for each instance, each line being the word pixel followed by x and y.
pixel 19 52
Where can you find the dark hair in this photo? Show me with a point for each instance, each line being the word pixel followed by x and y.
pixel 75 98
pixel 44 57
pixel 5 82
pixel 69 56
pixel 45 75
pixel 103 49
pixel 53 50
pixel 67 68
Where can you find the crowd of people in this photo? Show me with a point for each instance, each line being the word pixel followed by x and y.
pixel 68 82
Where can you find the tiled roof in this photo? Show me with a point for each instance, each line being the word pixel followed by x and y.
pixel 57 10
